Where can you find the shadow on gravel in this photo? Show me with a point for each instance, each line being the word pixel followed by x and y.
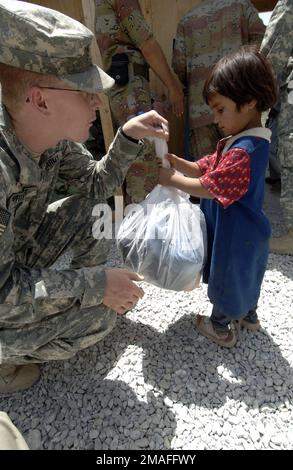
pixel 75 405
pixel 80 404
pixel 189 369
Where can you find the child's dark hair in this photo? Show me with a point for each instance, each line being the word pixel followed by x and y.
pixel 242 76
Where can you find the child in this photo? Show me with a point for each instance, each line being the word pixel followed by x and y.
pixel 230 183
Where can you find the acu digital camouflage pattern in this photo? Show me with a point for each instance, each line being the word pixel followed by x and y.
pixel 121 28
pixel 46 314
pixel 45 41
pixel 277 45
pixel 204 35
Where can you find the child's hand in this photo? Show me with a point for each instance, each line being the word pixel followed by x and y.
pixel 173 160
pixel 165 176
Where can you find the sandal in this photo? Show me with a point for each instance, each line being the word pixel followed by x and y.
pixel 206 328
pixel 249 325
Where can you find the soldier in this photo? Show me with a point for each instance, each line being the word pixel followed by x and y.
pixel 50 93
pixel 204 35
pixel 277 46
pixel 127 47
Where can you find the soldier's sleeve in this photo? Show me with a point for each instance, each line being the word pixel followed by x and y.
pixel 133 22
pixel 256 28
pixel 278 39
pixel 27 295
pixel 179 59
pixel 80 174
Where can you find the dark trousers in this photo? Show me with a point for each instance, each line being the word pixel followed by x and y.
pixel 221 321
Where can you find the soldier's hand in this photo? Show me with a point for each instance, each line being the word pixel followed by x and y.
pixel 150 124
pixel 121 293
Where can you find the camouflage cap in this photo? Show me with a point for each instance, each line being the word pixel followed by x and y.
pixel 42 40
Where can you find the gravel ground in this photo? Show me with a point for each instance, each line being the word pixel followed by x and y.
pixel 154 383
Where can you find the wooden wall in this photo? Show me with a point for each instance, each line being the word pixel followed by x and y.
pixel 71 8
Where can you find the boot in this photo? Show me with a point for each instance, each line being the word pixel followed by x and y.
pixel 282 245
pixel 17 378
pixel 10 437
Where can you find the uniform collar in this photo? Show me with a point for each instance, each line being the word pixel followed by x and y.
pixel 261 132
pixel 10 137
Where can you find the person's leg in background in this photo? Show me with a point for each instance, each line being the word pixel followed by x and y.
pixel 126 102
pixel 142 176
pixel 284 244
pixel 274 178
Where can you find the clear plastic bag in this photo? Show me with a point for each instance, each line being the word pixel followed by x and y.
pixel 164 239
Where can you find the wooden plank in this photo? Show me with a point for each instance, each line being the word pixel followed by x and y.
pixel 70 8
pixel 88 8
pixel 146 6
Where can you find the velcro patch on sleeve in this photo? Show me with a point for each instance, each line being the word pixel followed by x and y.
pixel 4 219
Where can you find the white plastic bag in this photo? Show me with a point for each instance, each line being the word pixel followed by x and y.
pixel 164 239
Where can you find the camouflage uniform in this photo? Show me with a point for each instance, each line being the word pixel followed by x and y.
pixel 121 28
pixel 277 46
pixel 47 314
pixel 205 34
pixel 40 309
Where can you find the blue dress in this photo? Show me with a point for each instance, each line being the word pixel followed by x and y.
pixel 238 239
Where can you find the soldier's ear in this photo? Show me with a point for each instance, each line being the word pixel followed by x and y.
pixel 38 100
